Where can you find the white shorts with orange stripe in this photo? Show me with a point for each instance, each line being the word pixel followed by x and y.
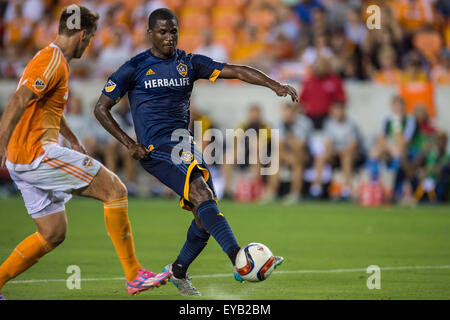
pixel 47 188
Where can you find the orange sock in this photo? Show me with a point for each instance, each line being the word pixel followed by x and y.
pixel 26 254
pixel 119 230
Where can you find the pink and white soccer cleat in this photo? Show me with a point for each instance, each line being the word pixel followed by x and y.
pixel 147 280
pixel 2 297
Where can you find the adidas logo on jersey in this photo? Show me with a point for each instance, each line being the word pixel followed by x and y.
pixel 150 72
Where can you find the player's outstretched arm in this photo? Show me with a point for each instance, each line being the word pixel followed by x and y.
pixel 254 76
pixel 102 112
pixel 13 112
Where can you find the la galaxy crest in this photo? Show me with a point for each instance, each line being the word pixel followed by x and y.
pixel 182 69
pixel 187 156
pixel 110 86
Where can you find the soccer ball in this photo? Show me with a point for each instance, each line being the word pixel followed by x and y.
pixel 254 262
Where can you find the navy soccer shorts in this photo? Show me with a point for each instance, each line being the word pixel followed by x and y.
pixel 175 165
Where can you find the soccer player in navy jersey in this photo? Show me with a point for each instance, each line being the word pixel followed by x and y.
pixel 159 82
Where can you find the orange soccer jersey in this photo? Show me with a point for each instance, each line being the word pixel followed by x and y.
pixel 47 75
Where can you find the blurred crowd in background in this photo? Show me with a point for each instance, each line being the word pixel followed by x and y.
pixel 282 37
pixel 318 44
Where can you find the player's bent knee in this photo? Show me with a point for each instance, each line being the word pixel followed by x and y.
pixel 200 192
pixel 119 189
pixel 55 236
pixel 114 188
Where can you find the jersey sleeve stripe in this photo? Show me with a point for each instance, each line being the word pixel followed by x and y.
pixel 55 66
pixel 52 60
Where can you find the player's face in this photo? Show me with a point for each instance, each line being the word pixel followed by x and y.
pixel 164 37
pixel 83 43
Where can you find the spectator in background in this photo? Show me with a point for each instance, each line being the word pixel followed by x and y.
pixel 110 26
pixel 428 42
pixel 337 11
pixel 347 60
pixel 320 90
pixel 319 23
pixel 305 8
pixel 426 130
pixel 343 147
pixel 354 29
pixel 45 31
pixel 281 48
pixel 10 66
pixel 254 124
pixel 440 74
pixel 208 138
pixel 87 129
pixel 389 73
pixel 389 36
pixel 287 23
pixel 18 27
pixel 413 14
pixel 146 7
pixel 319 49
pixel 250 48
pixel 435 175
pixel 212 49
pixel 33 10
pixel 94 138
pixel 205 122
pixel 113 56
pixel 80 122
pixel 295 131
pixel 398 131
pixel 421 142
pixel 415 87
pixel 98 144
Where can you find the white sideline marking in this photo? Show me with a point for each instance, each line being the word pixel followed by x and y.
pixel 222 275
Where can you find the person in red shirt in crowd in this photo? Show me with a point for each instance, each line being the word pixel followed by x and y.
pixel 320 90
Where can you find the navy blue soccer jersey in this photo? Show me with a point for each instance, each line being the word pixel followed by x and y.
pixel 159 91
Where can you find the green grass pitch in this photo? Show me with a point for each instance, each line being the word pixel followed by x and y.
pixel 321 243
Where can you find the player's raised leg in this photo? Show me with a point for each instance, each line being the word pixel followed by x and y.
pixel 107 187
pixel 208 221
pixel 211 219
pixel 196 240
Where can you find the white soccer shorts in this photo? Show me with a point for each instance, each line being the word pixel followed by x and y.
pixel 47 188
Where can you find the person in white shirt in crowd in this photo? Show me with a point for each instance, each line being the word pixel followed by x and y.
pixel 343 147
pixel 295 131
pixel 212 49
pixel 114 55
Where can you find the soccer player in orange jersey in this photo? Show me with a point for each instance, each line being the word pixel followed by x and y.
pixel 48 174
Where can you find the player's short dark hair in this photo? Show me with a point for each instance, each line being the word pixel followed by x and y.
pixel 67 22
pixel 160 14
